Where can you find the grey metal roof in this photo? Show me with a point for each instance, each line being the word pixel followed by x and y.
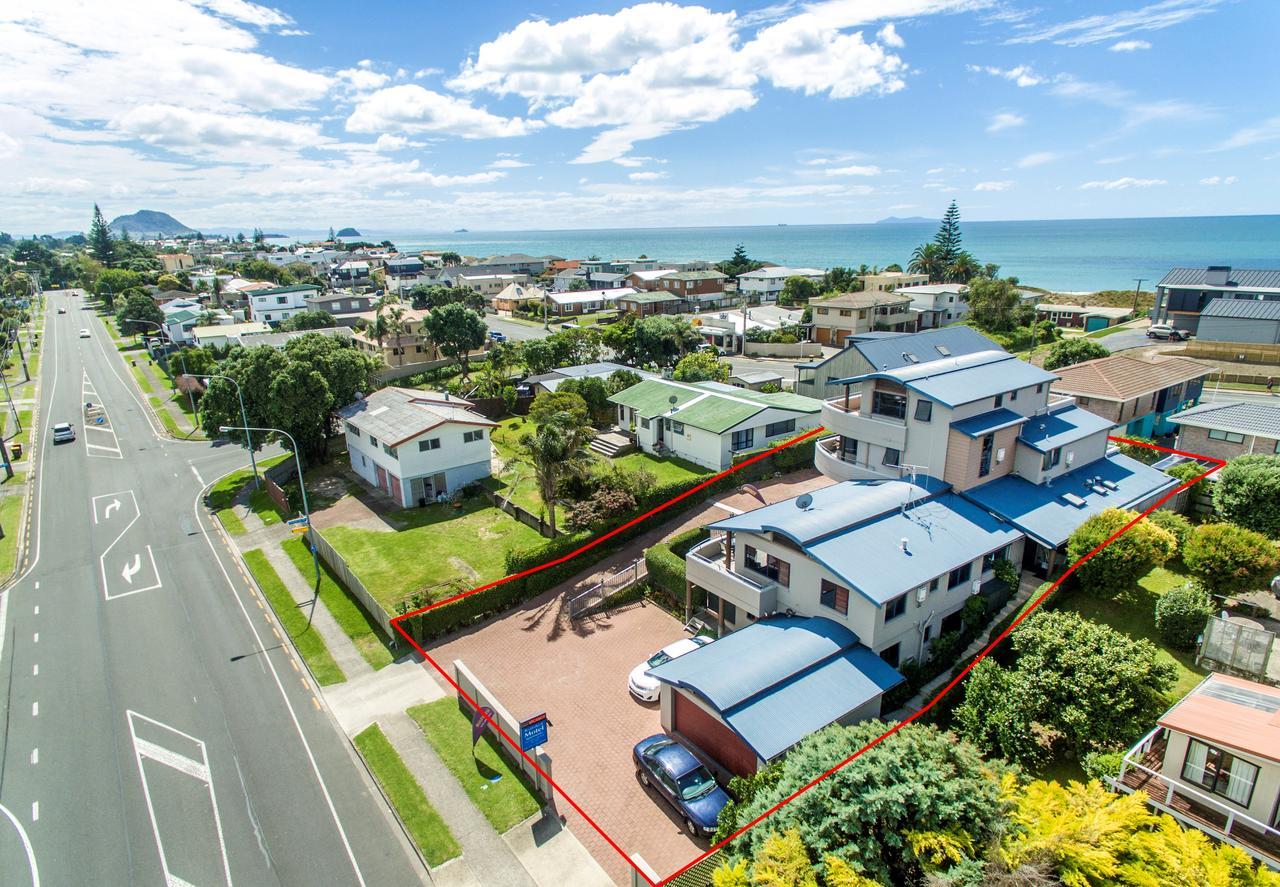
pixel 395 415
pixel 1242 418
pixel 985 423
pixel 778 680
pixel 1061 427
pixel 1244 278
pixel 893 351
pixel 1256 309
pixel 279 340
pixel 952 381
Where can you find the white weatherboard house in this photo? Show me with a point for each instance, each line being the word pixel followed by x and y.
pixel 707 422
pixel 417 445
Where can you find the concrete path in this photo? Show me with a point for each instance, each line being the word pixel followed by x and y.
pixel 374 696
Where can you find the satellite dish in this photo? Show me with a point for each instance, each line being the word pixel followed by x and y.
pixel 803 501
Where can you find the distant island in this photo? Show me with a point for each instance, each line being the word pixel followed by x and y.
pixel 460 231
pixel 149 223
pixel 905 220
pixel 348 232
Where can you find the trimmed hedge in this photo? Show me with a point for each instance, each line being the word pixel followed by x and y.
pixel 666 570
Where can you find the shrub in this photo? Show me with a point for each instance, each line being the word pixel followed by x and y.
pixel 1248 494
pixel 1124 561
pixel 1145 455
pixel 1006 572
pixel 1185 471
pixel 666 570
pixel 1174 523
pixel 1101 764
pixel 1073 351
pixel 1181 614
pixel 1228 559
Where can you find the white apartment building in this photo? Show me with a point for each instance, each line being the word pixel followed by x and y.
pixel 279 303
pixel 765 284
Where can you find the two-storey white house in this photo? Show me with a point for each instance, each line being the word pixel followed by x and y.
pixel 417 445
pixel 764 284
pixel 708 422
pixel 280 302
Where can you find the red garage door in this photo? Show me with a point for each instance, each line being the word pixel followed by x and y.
pixel 713 737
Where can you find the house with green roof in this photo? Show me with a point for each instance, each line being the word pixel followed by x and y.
pixel 707 422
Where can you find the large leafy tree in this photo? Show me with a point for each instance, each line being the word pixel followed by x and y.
pixel 100 240
pixel 916 781
pixel 995 306
pixel 798 290
pixel 1074 684
pixel 457 331
pixel 1248 493
pixel 701 366
pixel 307 320
pixel 594 394
pixel 1072 351
pixel 660 340
pixel 1230 560
pixel 1118 566
pixel 137 306
pixel 560 407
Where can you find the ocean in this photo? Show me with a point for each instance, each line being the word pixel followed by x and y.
pixel 1078 255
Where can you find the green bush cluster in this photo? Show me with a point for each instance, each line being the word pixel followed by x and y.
pixel 1173 523
pixel 1248 493
pixel 1101 764
pixel 1181 614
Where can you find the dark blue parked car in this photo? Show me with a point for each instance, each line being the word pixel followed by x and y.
pixel 667 766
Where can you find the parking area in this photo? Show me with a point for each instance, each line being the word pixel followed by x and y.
pixel 534 659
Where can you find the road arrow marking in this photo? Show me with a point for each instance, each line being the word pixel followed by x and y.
pixel 112 506
pixel 132 568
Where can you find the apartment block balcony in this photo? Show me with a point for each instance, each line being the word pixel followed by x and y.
pixel 841 415
pixel 705 568
pixel 840 466
pixel 1141 771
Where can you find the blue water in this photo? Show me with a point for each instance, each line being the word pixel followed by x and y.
pixel 1068 255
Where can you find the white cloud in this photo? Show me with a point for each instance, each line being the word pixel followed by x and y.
pixel 1122 184
pixel 1266 131
pixel 1005 120
pixel 1219 180
pixel 888 35
pixel 1130 46
pixel 649 176
pixel 411 108
pixel 387 143
pixel 993 186
pixel 936 171
pixel 362 79
pixel 1022 75
pixel 508 163
pixel 190 131
pixel 1038 158
pixel 1099 28
pixel 852 171
pixel 248 13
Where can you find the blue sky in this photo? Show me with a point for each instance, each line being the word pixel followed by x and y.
pixel 402 115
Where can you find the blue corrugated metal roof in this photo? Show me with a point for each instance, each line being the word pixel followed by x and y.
pixel 1247 308
pixel 963 379
pixel 985 423
pixel 1061 427
pixel 778 680
pixel 1042 513
pixel 895 350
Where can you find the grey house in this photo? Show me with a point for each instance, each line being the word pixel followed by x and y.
pixel 881 351
pixel 1240 320
pixel 1184 293
pixel 345 307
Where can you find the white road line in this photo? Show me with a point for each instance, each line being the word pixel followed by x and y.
pixel 35 671
pixel 37 612
pixel 196 472
pixel 35 709
pixel 293 715
pixel 130 387
pixel 181 763
pixel 35 811
pixel 26 845
pixel 35 756
pixel 35 638
pixel 37 585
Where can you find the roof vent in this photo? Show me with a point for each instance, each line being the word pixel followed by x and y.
pixel 943 350
pixel 903 543
pixel 1073 499
pixel 1217 275
pixel 909 357
pixel 1099 489
pixel 1111 485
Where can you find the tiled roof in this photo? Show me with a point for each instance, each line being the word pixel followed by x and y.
pixel 862 300
pixel 1247 308
pixel 1243 278
pixel 395 415
pixel 1123 378
pixel 1240 418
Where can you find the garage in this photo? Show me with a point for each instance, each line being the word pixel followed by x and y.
pixel 1248 321
pixel 704 731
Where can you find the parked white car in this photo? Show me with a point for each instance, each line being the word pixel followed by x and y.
pixel 1167 331
pixel 645 688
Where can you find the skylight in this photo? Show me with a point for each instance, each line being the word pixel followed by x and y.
pixel 943 350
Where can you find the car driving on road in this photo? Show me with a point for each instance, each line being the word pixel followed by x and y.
pixel 63 432
pixel 84 334
pixel 671 769
pixel 645 688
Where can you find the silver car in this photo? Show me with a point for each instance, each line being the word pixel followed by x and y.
pixel 63 432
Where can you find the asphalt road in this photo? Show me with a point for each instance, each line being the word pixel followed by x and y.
pixel 155 729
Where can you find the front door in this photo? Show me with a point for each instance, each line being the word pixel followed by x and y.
pixel 382 478
pixel 662 427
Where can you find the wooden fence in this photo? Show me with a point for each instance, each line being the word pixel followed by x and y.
pixel 338 565
pixel 1234 352
pixel 525 517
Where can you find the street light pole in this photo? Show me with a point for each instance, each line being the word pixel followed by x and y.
pixel 244 417
pixel 306 510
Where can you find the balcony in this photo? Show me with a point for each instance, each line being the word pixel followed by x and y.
pixel 840 414
pixel 704 567
pixel 828 458
pixel 1192 807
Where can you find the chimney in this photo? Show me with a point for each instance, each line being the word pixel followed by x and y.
pixel 1217 275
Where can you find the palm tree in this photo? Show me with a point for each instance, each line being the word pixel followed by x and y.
pixel 395 327
pixel 927 259
pixel 963 269
pixel 556 451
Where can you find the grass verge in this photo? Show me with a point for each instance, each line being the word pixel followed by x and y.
pixel 425 826
pixel 10 512
pixel 497 788
pixel 308 641
pixel 231 522
pixel 264 507
pixel 349 615
pixel 141 378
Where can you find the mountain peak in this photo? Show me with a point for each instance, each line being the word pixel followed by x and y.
pixel 149 223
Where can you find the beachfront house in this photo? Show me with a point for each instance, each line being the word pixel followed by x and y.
pixel 888 281
pixel 937 304
pixel 1082 317
pixel 278 303
pixel 863 352
pixel 1245 321
pixel 765 284
pixel 848 314
pixel 1183 293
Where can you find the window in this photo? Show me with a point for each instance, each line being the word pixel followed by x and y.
pixel 822 311
pixel 924 410
pixel 677 427
pixel 373 440
pixel 999 401
pixel 884 403
pixel 780 428
pixel 1220 772
pixel 1040 388
pixel 1229 436
pixel 1082 401
pixel 473 436
pixel 714 602
pixel 891 456
pixel 834 597
pixel 984 461
pixel 891 654
pixel 849 448
pixel 777 570
pixel 282 300
pixel 845 312
pixel 959 576
pixel 1013 395
pixel 895 608
pixel 933 584
pixel 390 451
pixel 1051 458
pixel 743 440
pixel 1278 448
pixel 431 443
pixel 644 423
pixel 989 560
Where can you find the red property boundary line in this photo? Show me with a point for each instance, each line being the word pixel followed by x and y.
pixel 1216 464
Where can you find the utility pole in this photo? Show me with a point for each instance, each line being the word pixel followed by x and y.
pixel 1136 290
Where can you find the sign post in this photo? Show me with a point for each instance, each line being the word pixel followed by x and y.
pixel 533 731
pixel 299 525
pixel 478 722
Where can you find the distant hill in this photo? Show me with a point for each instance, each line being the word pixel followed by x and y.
pixel 904 220
pixel 149 223
pixel 348 232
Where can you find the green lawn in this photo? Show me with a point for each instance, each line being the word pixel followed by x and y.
pixel 18 479
pixel 166 418
pixel 349 615
pixel 1134 615
pixel 666 470
pixel 231 522
pixel 141 378
pixel 428 830
pixel 10 512
pixel 440 547
pixel 264 507
pixel 224 491
pixel 308 641
pixel 1107 331
pixel 497 788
